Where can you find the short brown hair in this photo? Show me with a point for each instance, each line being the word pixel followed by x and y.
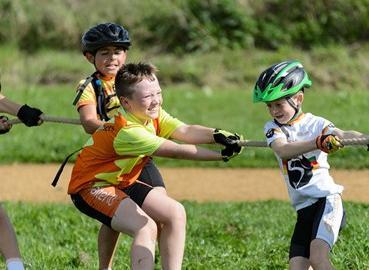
pixel 131 74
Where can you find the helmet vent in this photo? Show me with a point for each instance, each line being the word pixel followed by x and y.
pixel 288 85
pixel 278 81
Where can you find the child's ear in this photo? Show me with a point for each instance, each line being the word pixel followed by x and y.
pixel 124 102
pixel 90 57
pixel 300 97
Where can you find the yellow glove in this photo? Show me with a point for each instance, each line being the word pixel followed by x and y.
pixel 224 137
pixel 328 143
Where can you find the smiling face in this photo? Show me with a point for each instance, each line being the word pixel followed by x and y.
pixel 282 111
pixel 145 101
pixel 108 60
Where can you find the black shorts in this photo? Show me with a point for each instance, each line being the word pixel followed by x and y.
pixel 151 176
pixel 309 225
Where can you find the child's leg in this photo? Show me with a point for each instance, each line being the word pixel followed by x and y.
pixel 319 255
pixel 107 244
pixel 108 238
pixel 8 241
pixel 299 263
pixel 300 241
pixel 112 207
pixel 171 214
pixel 327 225
pixel 150 176
pixel 159 225
pixel 130 219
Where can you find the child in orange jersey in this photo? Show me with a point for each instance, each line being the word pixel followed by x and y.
pixel 110 164
pixel 105 46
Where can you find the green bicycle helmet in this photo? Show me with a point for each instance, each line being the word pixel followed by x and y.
pixel 280 80
pixel 105 34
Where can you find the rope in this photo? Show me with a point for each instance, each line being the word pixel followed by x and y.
pixel 347 142
pixel 53 119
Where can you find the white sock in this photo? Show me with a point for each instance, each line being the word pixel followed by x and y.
pixel 14 264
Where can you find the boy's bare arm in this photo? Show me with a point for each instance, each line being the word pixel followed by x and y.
pixel 8 106
pixel 89 119
pixel 194 134
pixel 174 150
pixel 287 150
pixel 347 134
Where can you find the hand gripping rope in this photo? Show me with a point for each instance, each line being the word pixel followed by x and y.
pixel 361 141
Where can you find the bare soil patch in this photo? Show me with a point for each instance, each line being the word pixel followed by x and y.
pixel 32 183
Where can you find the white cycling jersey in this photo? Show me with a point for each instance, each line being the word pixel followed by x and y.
pixel 307 176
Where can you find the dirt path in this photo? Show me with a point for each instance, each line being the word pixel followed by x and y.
pixel 31 182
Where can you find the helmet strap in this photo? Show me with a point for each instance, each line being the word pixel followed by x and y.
pixel 297 109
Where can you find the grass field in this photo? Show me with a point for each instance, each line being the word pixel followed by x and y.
pixel 222 236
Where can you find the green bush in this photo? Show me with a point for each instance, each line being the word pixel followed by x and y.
pixel 185 26
pixel 312 23
pixel 200 26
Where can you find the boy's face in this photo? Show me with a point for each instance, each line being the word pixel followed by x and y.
pixel 281 110
pixel 108 60
pixel 145 101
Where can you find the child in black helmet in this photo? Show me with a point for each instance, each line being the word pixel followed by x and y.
pixel 8 242
pixel 105 46
pixel 301 143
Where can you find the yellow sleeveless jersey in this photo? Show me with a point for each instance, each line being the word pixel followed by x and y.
pixel 88 96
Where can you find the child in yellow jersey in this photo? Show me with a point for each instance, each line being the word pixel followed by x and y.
pixel 105 46
pixel 8 242
pixel 107 172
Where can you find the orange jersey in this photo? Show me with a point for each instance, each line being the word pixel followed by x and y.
pixel 117 152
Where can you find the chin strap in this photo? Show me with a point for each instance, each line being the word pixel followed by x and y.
pixel 297 109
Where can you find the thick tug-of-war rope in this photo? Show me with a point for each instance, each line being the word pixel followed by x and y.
pixel 54 119
pixel 347 142
pixel 248 143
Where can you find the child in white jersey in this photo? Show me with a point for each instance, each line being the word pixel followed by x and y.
pixel 301 142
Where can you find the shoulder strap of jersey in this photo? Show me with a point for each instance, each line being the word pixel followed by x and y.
pixel 59 172
pixel 99 93
pixel 100 98
pixel 82 87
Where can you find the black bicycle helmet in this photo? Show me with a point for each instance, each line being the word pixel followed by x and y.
pixel 105 34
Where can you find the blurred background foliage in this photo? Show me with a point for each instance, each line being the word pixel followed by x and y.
pixel 204 43
pixel 183 26
pixel 209 53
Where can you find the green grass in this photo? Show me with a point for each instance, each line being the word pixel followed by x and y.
pixel 228 109
pixel 219 236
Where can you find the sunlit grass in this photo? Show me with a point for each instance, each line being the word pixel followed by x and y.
pixel 222 236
